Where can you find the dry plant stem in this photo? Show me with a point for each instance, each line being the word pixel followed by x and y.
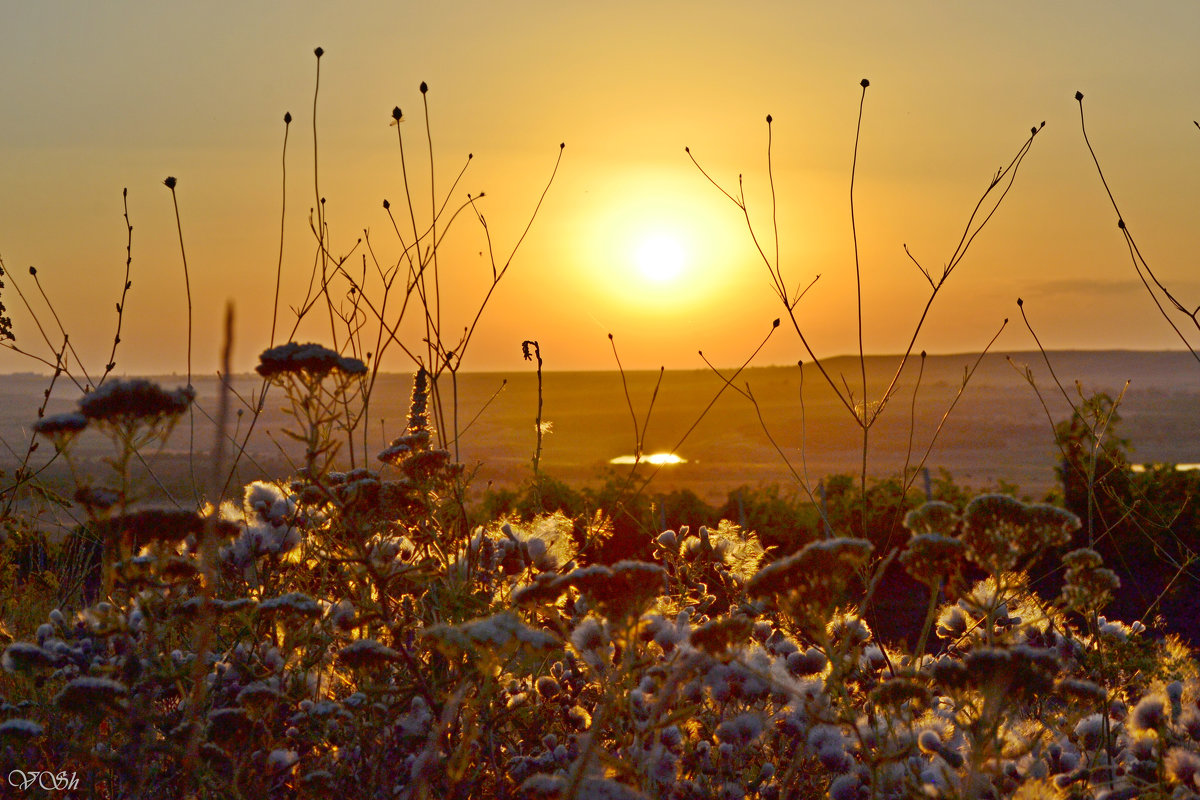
pixel 862 360
pixel 935 594
pixel 287 123
pixel 639 433
pixel 707 408
pixel 498 274
pixel 1003 178
pixel 61 329
pixel 112 357
pixel 208 553
pixel 437 291
pixel 1097 436
pixel 187 285
pixel 487 403
pixel 433 361
pixel 749 395
pixel 23 474
pixel 1045 356
pixel 967 375
pixel 60 363
pixel 527 347
pixel 321 229
pixel 1139 263
pixel 912 417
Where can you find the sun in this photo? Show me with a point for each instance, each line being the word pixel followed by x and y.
pixel 648 243
pixel 660 257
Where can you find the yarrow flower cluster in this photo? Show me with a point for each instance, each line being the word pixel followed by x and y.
pixel 311 359
pixel 122 401
pixel 1001 532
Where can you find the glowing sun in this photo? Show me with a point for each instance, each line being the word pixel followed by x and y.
pixel 660 257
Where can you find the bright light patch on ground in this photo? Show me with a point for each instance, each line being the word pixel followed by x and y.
pixel 658 459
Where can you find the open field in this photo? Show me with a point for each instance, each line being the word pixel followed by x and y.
pixel 998 431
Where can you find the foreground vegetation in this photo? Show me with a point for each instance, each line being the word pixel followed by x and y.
pixel 360 630
pixel 350 633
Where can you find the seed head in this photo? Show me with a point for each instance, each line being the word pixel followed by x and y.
pixel 122 401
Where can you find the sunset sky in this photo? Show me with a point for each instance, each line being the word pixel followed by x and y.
pixel 632 239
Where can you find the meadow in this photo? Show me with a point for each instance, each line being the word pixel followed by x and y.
pixel 327 580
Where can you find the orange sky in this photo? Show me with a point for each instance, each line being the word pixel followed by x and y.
pixel 97 97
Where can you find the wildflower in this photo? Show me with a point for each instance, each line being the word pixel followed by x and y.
pixel 279 760
pixel 930 742
pixel 546 588
pixel 811 583
pixel 1080 690
pixel 930 557
pixel 367 653
pixel 1189 721
pixel 934 517
pixel 999 531
pixel 810 662
pixel 579 717
pixel 1149 714
pixel 20 729
pixel 1088 586
pixel 228 724
pixel 721 633
pixel 592 642
pixel 60 427
pixel 96 499
pixel 120 402
pixel 266 502
pixel 622 589
pixel 1183 766
pixel 1050 526
pixel 293 602
pixel 1115 629
pixel 1089 732
pixel 605 789
pixel 25 657
pixel 952 622
pixel 991 531
pixel 829 745
pixel 494 637
pixel 901 691
pixel 546 686
pixel 311 359
pixel 91 695
pixel 543 785
pixel 740 730
pixel 848 630
pixel 258 694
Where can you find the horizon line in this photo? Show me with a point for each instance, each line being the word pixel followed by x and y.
pixel 843 356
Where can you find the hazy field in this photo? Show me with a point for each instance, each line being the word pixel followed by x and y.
pixel 999 429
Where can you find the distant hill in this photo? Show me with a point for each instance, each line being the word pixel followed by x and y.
pixel 998 430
